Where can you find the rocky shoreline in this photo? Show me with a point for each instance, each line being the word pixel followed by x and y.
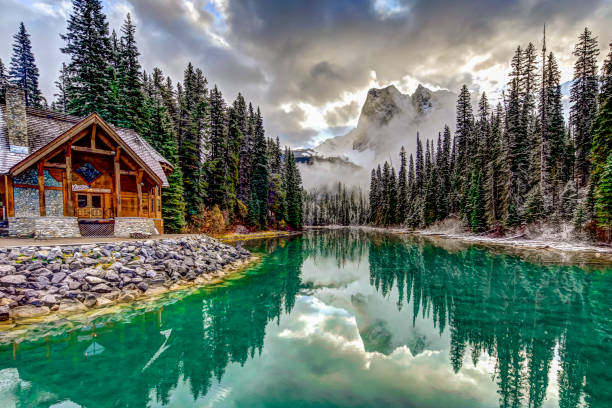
pixel 37 281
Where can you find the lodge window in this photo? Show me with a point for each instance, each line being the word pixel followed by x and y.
pixel 89 200
pixel 96 201
pixel 82 200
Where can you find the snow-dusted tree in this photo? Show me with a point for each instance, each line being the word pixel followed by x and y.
pixel 583 96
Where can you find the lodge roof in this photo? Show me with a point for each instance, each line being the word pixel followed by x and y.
pixel 44 126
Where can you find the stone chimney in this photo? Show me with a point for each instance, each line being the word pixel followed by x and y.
pixel 16 120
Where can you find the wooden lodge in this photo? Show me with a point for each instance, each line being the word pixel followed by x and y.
pixel 67 176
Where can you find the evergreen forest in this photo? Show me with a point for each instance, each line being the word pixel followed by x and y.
pixel 226 171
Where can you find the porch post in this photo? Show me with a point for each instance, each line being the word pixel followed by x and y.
pixel 41 189
pixel 69 180
pixel 139 190
pixel 117 183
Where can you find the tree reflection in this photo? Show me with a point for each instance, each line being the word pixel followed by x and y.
pixel 206 333
pixel 518 312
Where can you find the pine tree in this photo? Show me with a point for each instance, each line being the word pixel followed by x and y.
pixel 192 125
pixel 23 71
pixel 88 48
pixel 216 162
pixel 61 96
pixel 602 128
pixel 131 109
pixel 294 192
pixel 246 121
pixel 517 158
pixel 163 138
pixel 234 141
pixel 373 198
pixel 419 176
pixel 583 96
pixel 259 175
pixel 603 197
pixel 602 146
pixel 402 189
pixel 477 203
pixel 464 148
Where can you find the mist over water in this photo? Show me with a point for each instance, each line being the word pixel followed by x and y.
pixel 339 318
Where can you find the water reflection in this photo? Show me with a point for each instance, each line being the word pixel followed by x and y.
pixel 342 318
pixel 520 313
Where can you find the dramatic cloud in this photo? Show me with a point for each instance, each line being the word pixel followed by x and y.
pixel 309 64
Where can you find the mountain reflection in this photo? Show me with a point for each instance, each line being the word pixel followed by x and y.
pixel 547 328
pixel 518 312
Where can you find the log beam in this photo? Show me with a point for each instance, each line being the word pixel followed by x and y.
pixel 41 189
pixel 93 151
pixel 55 165
pixel 93 136
pixel 139 191
pixel 70 206
pixel 117 183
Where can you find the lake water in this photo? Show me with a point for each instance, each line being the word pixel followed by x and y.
pixel 338 318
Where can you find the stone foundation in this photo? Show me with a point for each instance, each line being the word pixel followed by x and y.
pixel 44 227
pixel 124 226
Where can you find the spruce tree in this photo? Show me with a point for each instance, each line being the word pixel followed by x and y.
pixel 236 116
pixel 603 197
pixel 61 96
pixel 477 217
pixel 602 128
pixel 518 158
pixel 88 49
pixel 23 71
pixel 216 163
pixel 602 146
pixel 294 192
pixel 163 138
pixel 193 107
pixel 583 96
pixel 131 109
pixel 402 189
pixel 258 204
pixel 464 147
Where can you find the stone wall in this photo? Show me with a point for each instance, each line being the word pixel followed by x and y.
pixel 124 226
pixel 37 280
pixel 43 227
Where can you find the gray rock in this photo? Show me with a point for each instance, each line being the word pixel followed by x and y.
pixel 94 280
pixel 58 277
pixel 11 280
pixel 101 288
pixel 49 300
pixel 43 281
pixel 7 270
pixel 111 276
pixel 142 286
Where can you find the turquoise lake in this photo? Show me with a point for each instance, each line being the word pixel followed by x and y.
pixel 339 318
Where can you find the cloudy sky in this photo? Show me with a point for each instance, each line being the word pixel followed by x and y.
pixel 309 64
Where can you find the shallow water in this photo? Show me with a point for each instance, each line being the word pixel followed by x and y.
pixel 339 318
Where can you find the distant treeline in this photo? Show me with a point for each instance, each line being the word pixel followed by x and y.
pixel 223 163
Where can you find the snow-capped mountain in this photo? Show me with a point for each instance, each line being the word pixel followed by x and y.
pixel 388 120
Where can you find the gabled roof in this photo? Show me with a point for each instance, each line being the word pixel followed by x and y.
pixel 44 127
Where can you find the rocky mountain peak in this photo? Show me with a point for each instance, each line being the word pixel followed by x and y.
pixel 421 99
pixel 381 105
